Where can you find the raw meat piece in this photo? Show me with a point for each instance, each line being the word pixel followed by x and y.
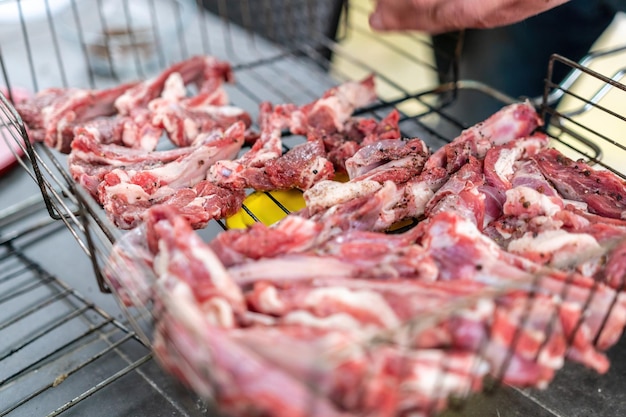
pixel 122 189
pixel 387 128
pixel 362 307
pixel 185 118
pixel 409 200
pixel 358 132
pixel 390 159
pixel 264 168
pixel 206 358
pixel 381 380
pixel 206 72
pixel 205 202
pixel 129 269
pixel 133 131
pixel 460 194
pixel 31 110
pixel 512 122
pixel 355 254
pixel 329 119
pixel 508 333
pixel 366 207
pixel 87 148
pixel 197 301
pixel 372 166
pixel 557 248
pixel 90 159
pixel 190 343
pixel 583 305
pixel 301 167
pixel 500 161
pixel 238 173
pixel 189 271
pixel 331 112
pixel 332 194
pixel 292 234
pixel 53 113
pixel 602 191
pixel 199 204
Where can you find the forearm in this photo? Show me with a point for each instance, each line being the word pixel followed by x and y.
pixel 437 16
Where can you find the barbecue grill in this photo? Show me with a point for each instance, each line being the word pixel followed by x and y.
pixel 74 351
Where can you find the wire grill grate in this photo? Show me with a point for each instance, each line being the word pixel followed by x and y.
pixel 60 349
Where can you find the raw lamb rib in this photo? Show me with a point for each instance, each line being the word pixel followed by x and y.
pixel 409 199
pixel 126 193
pixel 53 113
pixel 602 191
pixel 264 168
pixel 185 118
pixel 90 160
pixel 206 72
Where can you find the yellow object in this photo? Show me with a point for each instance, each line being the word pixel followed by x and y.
pixel 262 206
pixel 266 210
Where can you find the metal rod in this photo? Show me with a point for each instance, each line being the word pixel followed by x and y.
pixel 55 44
pixel 54 383
pixel 101 385
pixel 33 337
pixel 69 342
pixel 43 303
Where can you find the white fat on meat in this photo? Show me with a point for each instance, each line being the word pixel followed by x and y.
pixel 342 103
pixel 531 199
pixel 504 166
pixel 434 368
pixel 133 192
pixel 362 300
pixel 421 193
pixel 308 176
pixel 180 302
pixel 565 248
pixel 189 126
pixel 174 88
pixel 161 259
pixel 269 301
pixel 226 111
pixel 291 268
pixel 219 276
pixel 338 321
pixel 328 193
pixel 218 312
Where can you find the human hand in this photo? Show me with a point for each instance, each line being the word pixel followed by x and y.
pixel 437 16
